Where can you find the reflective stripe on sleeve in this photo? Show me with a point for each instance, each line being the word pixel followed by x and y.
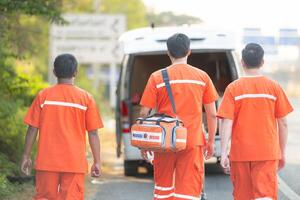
pixel 181 82
pixel 244 96
pixel 61 103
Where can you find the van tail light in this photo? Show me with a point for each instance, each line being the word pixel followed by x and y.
pixel 125 117
pixel 124 109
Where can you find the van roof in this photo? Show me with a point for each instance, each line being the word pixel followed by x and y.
pixel 154 39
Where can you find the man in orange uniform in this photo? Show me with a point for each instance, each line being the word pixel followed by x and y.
pixel 61 115
pixel 252 109
pixel 180 175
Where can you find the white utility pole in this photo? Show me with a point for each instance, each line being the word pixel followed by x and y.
pixel 96 5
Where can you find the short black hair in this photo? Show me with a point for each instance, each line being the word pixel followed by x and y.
pixel 65 66
pixel 253 55
pixel 178 45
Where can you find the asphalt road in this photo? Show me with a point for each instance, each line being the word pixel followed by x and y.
pixel 114 186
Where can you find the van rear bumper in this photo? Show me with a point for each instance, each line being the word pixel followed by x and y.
pixel 217 147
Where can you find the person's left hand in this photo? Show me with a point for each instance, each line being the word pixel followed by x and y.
pixel 209 150
pixel 96 170
pixel 225 163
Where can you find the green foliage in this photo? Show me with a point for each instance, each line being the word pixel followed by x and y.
pixel 20 38
pixel 6 166
pixel 134 10
pixel 47 8
pixel 6 188
pixel 17 91
pixel 76 6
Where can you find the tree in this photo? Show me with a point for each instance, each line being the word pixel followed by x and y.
pixel 16 88
pixel 134 10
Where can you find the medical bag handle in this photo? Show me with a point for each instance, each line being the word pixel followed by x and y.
pixel 166 79
pixel 158 115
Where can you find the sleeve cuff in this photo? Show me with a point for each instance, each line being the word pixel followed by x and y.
pixel 224 116
pixel 30 123
pixel 147 105
pixel 95 128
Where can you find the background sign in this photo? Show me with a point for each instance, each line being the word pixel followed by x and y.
pixel 91 38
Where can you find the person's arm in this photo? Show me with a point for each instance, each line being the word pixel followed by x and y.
pixel 94 142
pixel 225 133
pixel 144 111
pixel 283 135
pixel 26 163
pixel 210 110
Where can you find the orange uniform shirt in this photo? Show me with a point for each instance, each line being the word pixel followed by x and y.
pixel 254 103
pixel 63 113
pixel 191 88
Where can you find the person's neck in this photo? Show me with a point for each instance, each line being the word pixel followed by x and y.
pixel 179 61
pixel 67 81
pixel 253 72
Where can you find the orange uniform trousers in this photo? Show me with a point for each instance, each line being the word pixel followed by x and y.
pixel 59 186
pixel 254 179
pixel 179 175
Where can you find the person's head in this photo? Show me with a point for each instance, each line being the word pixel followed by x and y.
pixel 65 66
pixel 252 56
pixel 178 46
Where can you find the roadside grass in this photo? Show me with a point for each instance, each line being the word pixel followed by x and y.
pixel 20 191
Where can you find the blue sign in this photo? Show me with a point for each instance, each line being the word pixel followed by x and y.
pixel 289 37
pixel 263 40
pixel 289 41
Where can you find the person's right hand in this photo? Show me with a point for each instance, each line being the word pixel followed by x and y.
pixel 96 170
pixel 281 163
pixel 225 163
pixel 209 150
pixel 26 165
pixel 144 154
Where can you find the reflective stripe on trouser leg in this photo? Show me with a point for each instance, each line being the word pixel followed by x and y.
pixel 164 164
pixel 189 174
pixel 163 192
pixel 187 197
pixel 264 198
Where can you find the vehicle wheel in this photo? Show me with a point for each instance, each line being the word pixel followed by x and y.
pixel 149 169
pixel 131 168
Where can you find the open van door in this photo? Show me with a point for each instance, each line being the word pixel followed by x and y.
pixel 118 120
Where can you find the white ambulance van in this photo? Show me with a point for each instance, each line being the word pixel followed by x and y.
pixel 145 52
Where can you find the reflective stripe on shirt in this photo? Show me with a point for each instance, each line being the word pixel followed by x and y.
pixel 180 82
pixel 244 96
pixel 61 103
